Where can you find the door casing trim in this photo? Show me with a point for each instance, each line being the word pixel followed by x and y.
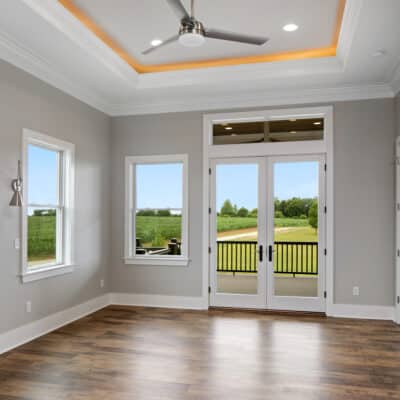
pixel 324 146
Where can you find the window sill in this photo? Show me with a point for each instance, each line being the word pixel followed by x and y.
pixel 165 261
pixel 44 273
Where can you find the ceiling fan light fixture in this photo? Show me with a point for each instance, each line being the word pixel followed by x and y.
pixel 191 39
pixel 192 35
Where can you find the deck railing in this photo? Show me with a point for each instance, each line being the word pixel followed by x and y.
pixel 294 258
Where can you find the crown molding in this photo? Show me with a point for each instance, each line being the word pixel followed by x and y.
pixel 55 14
pixel 350 21
pixel 245 72
pixel 21 57
pixel 251 100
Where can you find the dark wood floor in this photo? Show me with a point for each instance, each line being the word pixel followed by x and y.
pixel 142 353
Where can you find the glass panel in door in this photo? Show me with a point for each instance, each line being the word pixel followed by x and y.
pixel 238 234
pixel 296 230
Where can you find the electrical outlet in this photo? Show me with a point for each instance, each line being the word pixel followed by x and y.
pixel 17 244
pixel 102 283
pixel 356 291
pixel 28 306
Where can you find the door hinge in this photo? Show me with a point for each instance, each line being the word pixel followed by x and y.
pixel 325 209
pixel 398 252
pixel 325 252
pixel 209 250
pixel 398 299
pixel 325 167
pixel 209 289
pixel 325 294
pixel 209 210
pixel 209 171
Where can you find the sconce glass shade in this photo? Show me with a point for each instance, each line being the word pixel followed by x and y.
pixel 16 200
pixel 16 185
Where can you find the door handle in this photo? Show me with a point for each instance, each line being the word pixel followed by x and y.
pixel 270 251
pixel 260 252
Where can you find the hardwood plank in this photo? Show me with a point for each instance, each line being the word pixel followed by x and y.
pixel 123 353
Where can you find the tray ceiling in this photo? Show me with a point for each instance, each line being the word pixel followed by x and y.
pixel 128 27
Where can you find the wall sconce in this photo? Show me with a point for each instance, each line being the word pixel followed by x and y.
pixel 16 185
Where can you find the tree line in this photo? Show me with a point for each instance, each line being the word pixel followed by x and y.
pixel 156 213
pixel 295 207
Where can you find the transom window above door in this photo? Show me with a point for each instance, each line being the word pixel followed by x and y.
pixel 274 131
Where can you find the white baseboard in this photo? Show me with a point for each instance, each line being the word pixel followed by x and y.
pixel 362 311
pixel 28 332
pixel 152 300
pixel 33 330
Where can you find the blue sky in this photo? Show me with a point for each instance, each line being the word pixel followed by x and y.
pixel 42 175
pixel 160 185
pixel 238 182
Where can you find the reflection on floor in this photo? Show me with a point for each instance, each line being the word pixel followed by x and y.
pixel 287 285
pixel 134 353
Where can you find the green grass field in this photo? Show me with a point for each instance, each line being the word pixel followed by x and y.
pixel 157 231
pixel 41 238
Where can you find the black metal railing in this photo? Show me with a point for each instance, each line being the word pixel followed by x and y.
pixel 294 258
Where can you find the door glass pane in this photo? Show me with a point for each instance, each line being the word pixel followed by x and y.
pixel 159 199
pixel 43 175
pixel 296 228
pixel 42 237
pixel 237 228
pixel 290 130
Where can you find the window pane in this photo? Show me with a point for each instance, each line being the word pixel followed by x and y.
pixel 296 228
pixel 42 175
pixel 291 130
pixel 159 195
pixel 42 237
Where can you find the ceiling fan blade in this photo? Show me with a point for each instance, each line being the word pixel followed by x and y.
pixel 179 9
pixel 164 43
pixel 235 37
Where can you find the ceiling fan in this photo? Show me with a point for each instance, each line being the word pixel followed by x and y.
pixel 192 33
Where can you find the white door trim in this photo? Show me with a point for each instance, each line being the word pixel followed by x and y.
pixel 267 149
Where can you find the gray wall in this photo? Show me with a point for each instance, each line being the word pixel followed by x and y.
pixel 28 103
pixel 151 135
pixel 364 199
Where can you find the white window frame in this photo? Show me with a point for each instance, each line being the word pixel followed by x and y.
pixel 64 263
pixel 130 207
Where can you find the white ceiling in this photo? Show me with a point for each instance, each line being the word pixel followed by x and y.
pixel 134 23
pixel 43 38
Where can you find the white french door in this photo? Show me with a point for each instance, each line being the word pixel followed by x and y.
pixel 296 250
pixel 260 257
pixel 238 265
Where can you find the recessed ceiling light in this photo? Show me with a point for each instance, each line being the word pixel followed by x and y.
pixel 293 120
pixel 290 27
pixel 293 132
pixel 317 123
pixel 156 42
pixel 228 128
